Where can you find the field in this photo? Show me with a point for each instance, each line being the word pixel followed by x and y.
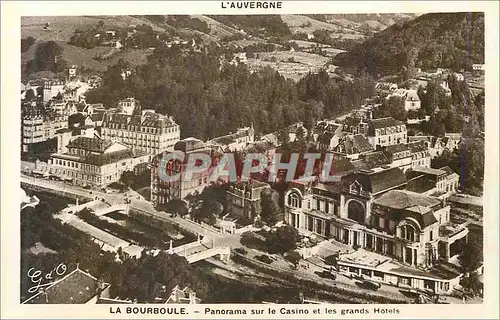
pixel 303 63
pixel 62 27
pixel 85 57
pixel 299 23
pixel 217 29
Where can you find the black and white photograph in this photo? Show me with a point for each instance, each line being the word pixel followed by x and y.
pixel 274 159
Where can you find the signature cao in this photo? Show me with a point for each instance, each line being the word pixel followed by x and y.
pixel 37 277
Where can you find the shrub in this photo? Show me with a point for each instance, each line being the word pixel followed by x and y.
pixel 264 258
pixel 332 259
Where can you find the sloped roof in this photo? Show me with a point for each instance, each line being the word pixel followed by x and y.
pixel 420 184
pixel 189 144
pixel 410 204
pixel 403 199
pixel 417 146
pixel 412 95
pixel 357 144
pixel 77 287
pixel 372 160
pixel 396 148
pixel 90 144
pixel 384 123
pixel 377 182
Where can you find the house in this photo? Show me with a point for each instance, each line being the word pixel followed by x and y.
pixel 402 238
pixel 353 145
pixel 51 88
pixel 77 287
pixel 420 154
pixel 409 243
pixel 72 72
pixel 183 296
pixel 295 131
pixel 385 132
pixel 372 160
pixel 478 67
pixel 38 126
pixel 116 44
pixel 446 88
pixel 234 141
pixel 94 161
pixel 459 76
pixel 444 180
pixel 243 199
pixel 327 134
pixel 412 101
pixel 271 138
pixel 164 191
pixel 400 156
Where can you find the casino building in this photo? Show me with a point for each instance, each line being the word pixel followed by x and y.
pixel 397 236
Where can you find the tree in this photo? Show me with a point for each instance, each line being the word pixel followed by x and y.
pixel 293 257
pixel 470 257
pixel 472 283
pixel 271 210
pixel 282 240
pixel 301 133
pixel 392 107
pixel 47 58
pixel 30 95
pixel 332 260
pixel 127 178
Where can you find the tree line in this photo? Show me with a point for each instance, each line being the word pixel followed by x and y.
pixel 209 97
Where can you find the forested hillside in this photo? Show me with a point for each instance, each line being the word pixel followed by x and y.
pixel 446 40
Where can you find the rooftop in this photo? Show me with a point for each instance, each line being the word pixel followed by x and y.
pixel 384 123
pixel 78 287
pixel 404 199
pixel 396 148
pixel 377 182
pixel 371 160
pixel 430 171
pixel 90 144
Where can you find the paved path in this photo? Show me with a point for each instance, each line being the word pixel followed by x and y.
pixel 138 204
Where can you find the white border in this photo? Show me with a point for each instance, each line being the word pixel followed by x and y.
pixel 11 12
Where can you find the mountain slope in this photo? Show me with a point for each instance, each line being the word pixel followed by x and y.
pixel 447 40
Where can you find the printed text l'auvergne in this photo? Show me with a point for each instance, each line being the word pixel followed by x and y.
pixel 251 4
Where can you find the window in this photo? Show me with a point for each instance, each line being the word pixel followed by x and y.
pixel 408 233
pixel 430 236
pixel 293 200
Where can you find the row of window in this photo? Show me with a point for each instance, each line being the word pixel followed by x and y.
pixel 76 165
pixel 391 130
pixel 152 130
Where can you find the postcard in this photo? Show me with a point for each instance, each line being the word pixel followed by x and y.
pixel 249 159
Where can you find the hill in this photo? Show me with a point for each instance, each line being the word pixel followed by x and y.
pixel 446 40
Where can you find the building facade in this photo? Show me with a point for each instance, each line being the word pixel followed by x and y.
pixel 164 191
pixel 243 199
pixel 38 127
pixel 384 132
pixel 95 162
pixel 396 234
pixel 148 132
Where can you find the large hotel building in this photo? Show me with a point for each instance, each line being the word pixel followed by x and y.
pixel 143 130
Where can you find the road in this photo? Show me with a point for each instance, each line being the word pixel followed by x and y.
pixel 138 204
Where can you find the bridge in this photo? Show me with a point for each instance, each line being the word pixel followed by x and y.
pixel 200 250
pixel 194 251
